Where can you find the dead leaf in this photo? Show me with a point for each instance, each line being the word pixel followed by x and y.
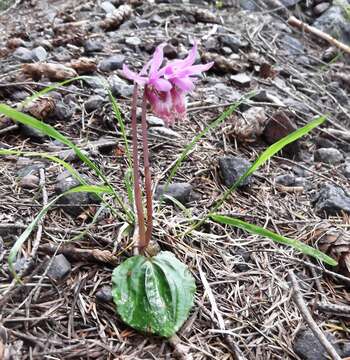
pixel 334 242
pixel 83 65
pixel 55 72
pixel 224 64
pixel 267 71
pixel 114 20
pixel 249 128
pixel 41 108
pixel 205 16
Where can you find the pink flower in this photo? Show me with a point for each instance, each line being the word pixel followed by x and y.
pixel 166 88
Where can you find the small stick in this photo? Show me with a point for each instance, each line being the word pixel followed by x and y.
pixel 148 180
pixel 180 350
pixel 293 21
pixel 137 187
pixel 299 301
pixel 341 310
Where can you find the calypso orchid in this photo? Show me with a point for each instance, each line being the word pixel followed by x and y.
pixel 166 87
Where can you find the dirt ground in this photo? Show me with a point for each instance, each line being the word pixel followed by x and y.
pixel 244 307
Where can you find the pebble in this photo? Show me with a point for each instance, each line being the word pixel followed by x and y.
pixel 92 45
pixel 59 268
pixel 180 191
pixel 29 181
pixel 104 294
pixel 112 63
pixel 107 7
pixel 321 8
pixel 31 169
pixel 74 202
pixel 308 347
pixel 165 132
pixel 94 102
pixel 39 54
pixel 292 45
pixel 285 179
pixel 241 79
pixel 346 170
pixel 328 155
pixel 23 54
pixel 119 87
pixel 31 133
pixel 133 41
pixel 155 121
pixel 233 42
pixel 232 168
pixel 331 200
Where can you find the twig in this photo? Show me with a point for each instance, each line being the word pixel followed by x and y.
pixel 293 21
pixel 87 255
pixel 341 310
pixel 180 350
pixel 137 187
pixel 148 180
pixel 8 129
pixel 299 301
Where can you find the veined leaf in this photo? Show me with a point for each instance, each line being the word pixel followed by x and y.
pixel 257 230
pixel 153 295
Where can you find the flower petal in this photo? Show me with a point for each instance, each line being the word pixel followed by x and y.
pixel 191 57
pixel 162 85
pixel 157 60
pixel 184 83
pixel 131 75
pixel 192 70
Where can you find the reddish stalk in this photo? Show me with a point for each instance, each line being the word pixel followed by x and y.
pixel 136 165
pixel 146 164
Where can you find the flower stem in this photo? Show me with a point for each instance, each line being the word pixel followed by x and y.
pixel 136 166
pixel 148 180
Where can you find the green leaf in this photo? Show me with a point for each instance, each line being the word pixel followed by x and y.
pixel 153 295
pixel 257 230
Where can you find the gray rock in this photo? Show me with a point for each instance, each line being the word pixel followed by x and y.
pixel 331 200
pixel 95 82
pixel 119 87
pixel 19 264
pixel 232 168
pixel 19 95
pixel 289 3
pixel 155 121
pixel 328 155
pixel 233 42
pixel 34 134
pixel 133 41
pixel 163 132
pixel 211 44
pixel 107 7
pixel 31 169
pixel 63 112
pixel 335 22
pixel 29 181
pixel 94 102
pixel 285 179
pixel 346 170
pixel 73 203
pixel 92 45
pixel 23 54
pixel 59 268
pixel 39 54
pixel 292 45
pixel 226 50
pixel 308 347
pixel 179 191
pixel 104 294
pixel 249 5
pixel 241 79
pixel 112 63
pixel 321 8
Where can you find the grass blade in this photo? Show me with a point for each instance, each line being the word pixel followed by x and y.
pixel 24 236
pixel 257 230
pixel 267 154
pixel 53 133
